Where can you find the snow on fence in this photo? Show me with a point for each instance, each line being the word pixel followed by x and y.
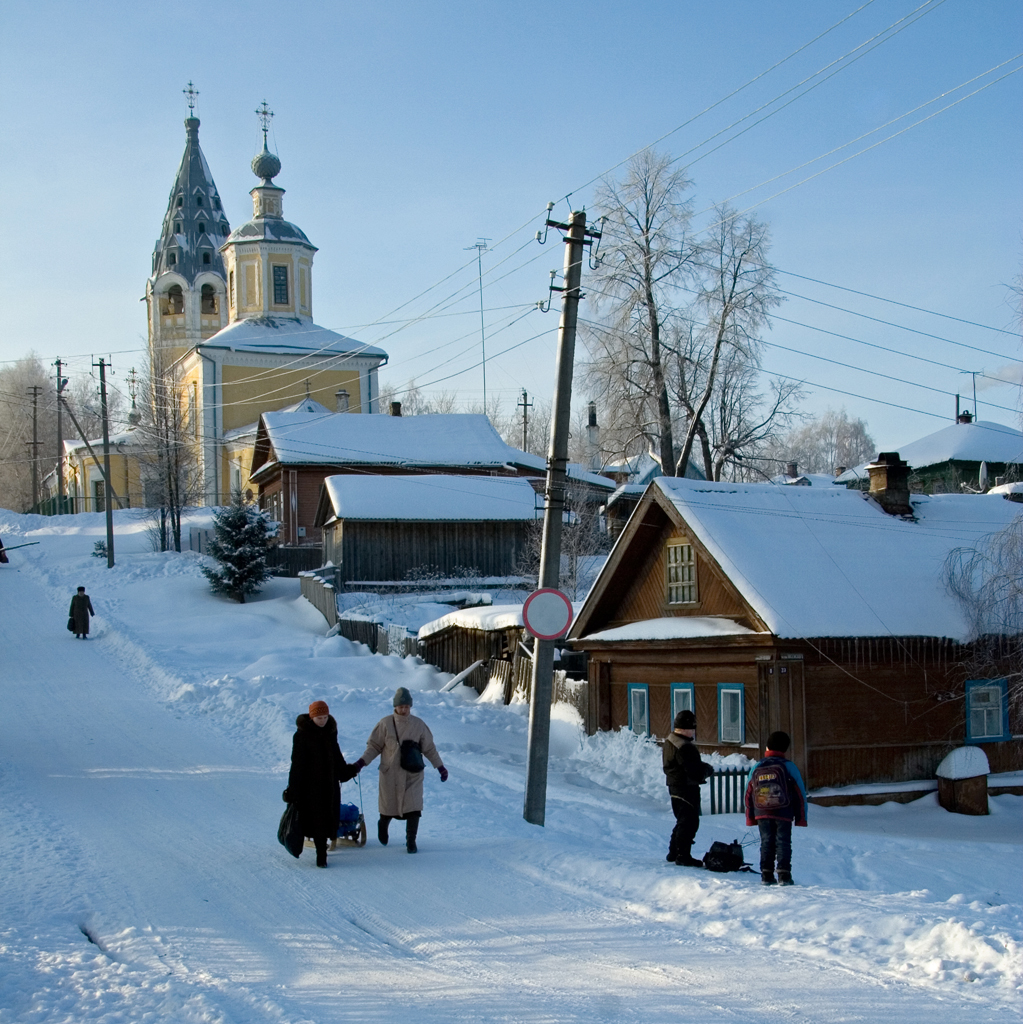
pixel 320 593
pixel 728 791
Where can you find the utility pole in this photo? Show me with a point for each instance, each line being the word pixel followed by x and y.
pixel 34 391
pixel 61 384
pixel 576 239
pixel 109 503
pixel 525 405
pixel 481 248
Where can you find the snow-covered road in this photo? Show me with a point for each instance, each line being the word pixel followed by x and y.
pixel 140 779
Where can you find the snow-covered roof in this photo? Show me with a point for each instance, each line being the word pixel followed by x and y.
pixel 288 334
pixel 414 441
pixel 805 480
pixel 498 616
pixel 963 442
pixel 1014 488
pixel 428 497
pixel 820 562
pixel 675 627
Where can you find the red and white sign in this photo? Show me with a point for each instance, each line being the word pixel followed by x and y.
pixel 547 614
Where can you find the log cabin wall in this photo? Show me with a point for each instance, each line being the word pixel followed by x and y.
pixel 391 550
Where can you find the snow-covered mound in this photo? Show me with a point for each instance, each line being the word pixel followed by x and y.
pixel 964 763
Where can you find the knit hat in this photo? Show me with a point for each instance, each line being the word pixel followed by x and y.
pixel 685 720
pixel 317 708
pixel 402 697
pixel 778 741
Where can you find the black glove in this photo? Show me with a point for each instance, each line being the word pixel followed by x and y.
pixel 359 765
pixel 286 796
pixel 443 773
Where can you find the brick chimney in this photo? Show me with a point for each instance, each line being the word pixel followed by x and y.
pixel 889 483
pixel 792 470
pixel 342 397
pixel 395 408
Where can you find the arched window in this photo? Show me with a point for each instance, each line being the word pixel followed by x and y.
pixel 216 204
pixel 177 227
pixel 172 259
pixel 198 200
pixel 202 227
pixel 180 200
pixel 208 297
pixel 224 230
pixel 175 300
pixel 205 257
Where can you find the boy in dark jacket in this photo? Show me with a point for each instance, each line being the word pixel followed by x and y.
pixel 684 773
pixel 775 797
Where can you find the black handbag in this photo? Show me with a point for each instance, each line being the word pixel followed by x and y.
pixel 289 832
pixel 411 754
pixel 71 624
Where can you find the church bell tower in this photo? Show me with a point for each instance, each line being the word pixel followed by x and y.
pixel 186 294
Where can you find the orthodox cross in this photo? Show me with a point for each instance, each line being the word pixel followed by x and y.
pixel 265 115
pixel 191 92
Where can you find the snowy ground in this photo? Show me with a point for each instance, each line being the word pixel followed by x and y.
pixel 140 781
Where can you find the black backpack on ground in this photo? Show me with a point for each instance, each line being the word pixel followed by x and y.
pixel 724 857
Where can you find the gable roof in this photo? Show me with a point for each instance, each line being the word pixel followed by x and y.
pixel 825 562
pixel 958 442
pixel 426 498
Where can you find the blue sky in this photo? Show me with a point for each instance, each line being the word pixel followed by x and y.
pixel 408 130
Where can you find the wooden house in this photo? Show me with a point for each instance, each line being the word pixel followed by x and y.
pixel 820 611
pixel 383 528
pixel 295 452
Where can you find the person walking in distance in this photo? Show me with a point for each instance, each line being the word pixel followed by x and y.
pixel 317 770
pixel 775 798
pixel 684 772
pixel 401 741
pixel 81 609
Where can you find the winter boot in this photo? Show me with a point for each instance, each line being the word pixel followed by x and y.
pixel 767 877
pixel 411 831
pixel 382 830
pixel 785 878
pixel 321 859
pixel 687 860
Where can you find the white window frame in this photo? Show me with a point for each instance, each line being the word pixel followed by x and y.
pixel 993 727
pixel 640 692
pixel 728 691
pixel 683 698
pixel 680 573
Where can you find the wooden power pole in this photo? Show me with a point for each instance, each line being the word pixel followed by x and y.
pixel 109 503
pixel 576 238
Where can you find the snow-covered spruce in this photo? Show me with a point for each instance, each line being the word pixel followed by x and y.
pixel 242 534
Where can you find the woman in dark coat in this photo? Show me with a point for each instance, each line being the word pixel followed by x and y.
pixel 81 609
pixel 317 770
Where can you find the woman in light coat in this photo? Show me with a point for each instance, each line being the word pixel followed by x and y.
pixel 400 791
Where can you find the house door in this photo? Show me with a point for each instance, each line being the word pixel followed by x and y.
pixel 782 705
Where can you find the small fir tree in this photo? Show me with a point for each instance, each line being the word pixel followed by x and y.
pixel 242 533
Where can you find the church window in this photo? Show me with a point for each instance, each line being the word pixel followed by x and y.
pixel 208 300
pixel 177 227
pixel 175 300
pixel 202 227
pixel 180 200
pixel 224 230
pixel 280 286
pixel 205 257
pixel 172 259
pixel 216 204
pixel 198 200
pixel 230 289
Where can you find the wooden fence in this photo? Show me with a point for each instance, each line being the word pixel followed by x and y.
pixel 320 593
pixel 286 560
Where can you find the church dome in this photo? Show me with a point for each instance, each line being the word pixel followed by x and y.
pixel 266 165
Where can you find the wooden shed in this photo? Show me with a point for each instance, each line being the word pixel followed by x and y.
pixel 807 609
pixel 386 528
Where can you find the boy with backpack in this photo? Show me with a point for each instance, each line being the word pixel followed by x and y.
pixel 775 797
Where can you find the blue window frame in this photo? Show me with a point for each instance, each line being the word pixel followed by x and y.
pixel 639 708
pixel 987 710
pixel 683 698
pixel 731 714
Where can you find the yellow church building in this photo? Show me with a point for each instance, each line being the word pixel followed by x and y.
pixel 231 320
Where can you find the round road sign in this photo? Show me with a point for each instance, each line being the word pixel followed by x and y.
pixel 547 614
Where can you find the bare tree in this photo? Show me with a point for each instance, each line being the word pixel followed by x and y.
pixel 824 443
pixel 644 263
pixel 171 467
pixel 16 452
pixel 414 402
pixel 736 294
